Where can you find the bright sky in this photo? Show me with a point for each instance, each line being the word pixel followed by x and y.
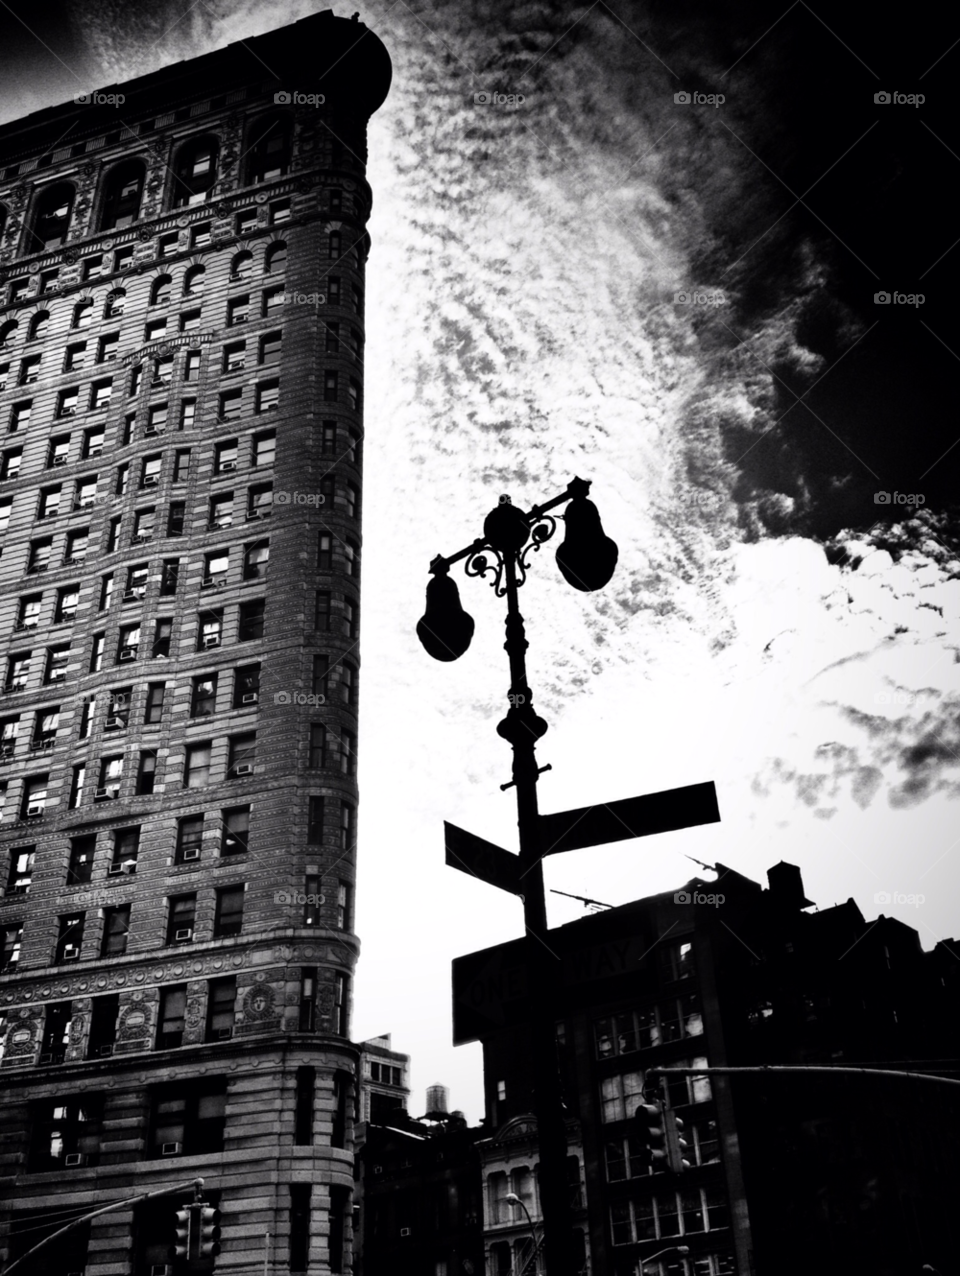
pixel 521 330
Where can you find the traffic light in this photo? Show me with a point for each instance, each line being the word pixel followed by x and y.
pixel 209 1231
pixel 181 1248
pixel 676 1143
pixel 652 1135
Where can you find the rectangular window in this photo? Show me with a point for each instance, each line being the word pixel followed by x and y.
pixel 348 753
pixel 330 379
pixel 225 456
pixel 162 637
pixel 20 415
pixel 108 347
pixel 10 465
pixel 255 559
pixel 235 824
pixel 344 906
pixel 321 674
pixel 318 744
pixel 234 356
pixel 251 621
pixel 221 1008
pixel 246 686
pixel 299 1246
pixel 170 576
pixel 157 418
pixel 69 938
pixel 116 927
pixel 272 301
pixel 189 839
pixel 153 711
pixel 50 499
pixel 80 867
pixel 268 396
pixel 270 348
pixel 348 832
pixel 324 551
pixel 209 630
pixel 103 1025
pixel 308 999
pixel 128 648
pixel 175 518
pixel 100 394
pixel 315 819
pixel 238 310
pixel 303 1106
pixel 203 702
pixel 220 514
pixel 11 937
pixel 21 870
pixel 243 755
pixel 264 448
pixel 190 319
pixel 230 405
pixel 340 1004
pixel 191 372
pixel 188 1119
pixel 181 465
pixel 196 771
pixel 259 501
pixel 620 1095
pixel 146 772
pixel 144 526
pixel 58 659
pixel 76 786
pixel 75 550
pixel 321 621
pixel 170 1025
pixel 229 913
pixel 136 377
pixel 181 917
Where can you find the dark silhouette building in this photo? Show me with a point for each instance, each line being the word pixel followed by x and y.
pixel 182 267
pixel 421 1209
pixel 788 1173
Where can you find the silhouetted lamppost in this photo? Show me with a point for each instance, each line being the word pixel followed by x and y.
pixel 586 559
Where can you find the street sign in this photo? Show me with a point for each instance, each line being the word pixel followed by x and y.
pixel 629 817
pixel 492 864
pixel 490 991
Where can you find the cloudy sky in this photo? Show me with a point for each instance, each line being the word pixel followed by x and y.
pixel 771 626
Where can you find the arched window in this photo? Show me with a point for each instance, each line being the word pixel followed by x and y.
pixel 160 292
pixel 194 281
pixel 8 332
pixel 275 260
pixel 195 171
pixel 38 325
pixel 51 218
pixel 268 148
pixel 115 303
pixel 121 195
pixel 241 266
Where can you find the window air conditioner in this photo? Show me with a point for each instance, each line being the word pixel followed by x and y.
pixel 212 640
pixel 213 582
pixel 114 869
pixel 243 768
pixel 406 1231
pixel 45 1058
pixel 128 653
pixel 35 810
pixel 70 952
pixel 39 567
pixel 104 1051
pixel 130 595
pixel 171 1149
pixel 75 1158
pixel 181 936
pixel 142 536
pixel 191 853
pixel 150 431
pixel 149 480
pixel 223 1034
pixel 15 686
pixel 59 460
pixel 111 791
pixel 251 697
pixel 226 466
pixel 161 1269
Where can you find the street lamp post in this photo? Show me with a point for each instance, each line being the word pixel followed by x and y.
pixel 671 1249
pixel 586 559
pixel 512 1199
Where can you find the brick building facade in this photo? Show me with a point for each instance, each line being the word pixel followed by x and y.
pixel 182 267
